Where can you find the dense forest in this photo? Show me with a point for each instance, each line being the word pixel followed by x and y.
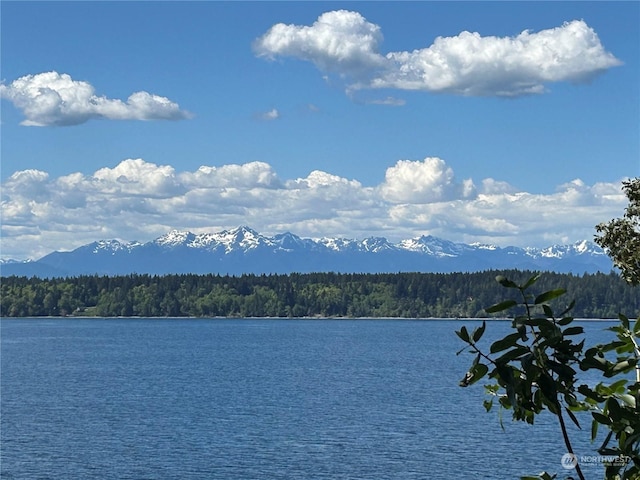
pixel 408 295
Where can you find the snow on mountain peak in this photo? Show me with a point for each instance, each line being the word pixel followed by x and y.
pixel 244 239
pixel 336 244
pixel 174 238
pixel 432 245
pixel 579 248
pixel 376 244
pixel 241 238
pixel 242 250
pixel 113 246
pixel 484 246
pixel 289 242
pixel 585 246
pixel 11 261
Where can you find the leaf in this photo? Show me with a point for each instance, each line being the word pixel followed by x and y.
pixel 548 387
pixel 476 360
pixel 550 295
pixel 546 476
pixel 504 343
pixel 531 281
pixel 466 380
pixel 565 321
pixel 627 348
pixel 537 322
pixel 478 332
pixel 615 411
pixel 589 393
pixel 624 320
pixel 462 349
pixel 565 372
pixel 598 363
pixel 479 371
pixel 513 354
pixel 600 418
pixel 607 347
pixel 618 386
pixel 568 309
pixel 624 366
pixel 463 334
pixel 499 307
pixel 505 282
pixel 573 418
pixel 573 331
pixel 475 373
pixel 506 374
pixel 594 429
pixel 629 400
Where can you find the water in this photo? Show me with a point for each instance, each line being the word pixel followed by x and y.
pixel 256 399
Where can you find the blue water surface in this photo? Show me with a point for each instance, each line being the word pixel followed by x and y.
pixel 257 399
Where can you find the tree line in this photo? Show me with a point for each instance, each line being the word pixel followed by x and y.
pixel 407 295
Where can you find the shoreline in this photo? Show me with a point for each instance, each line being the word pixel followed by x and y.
pixel 421 319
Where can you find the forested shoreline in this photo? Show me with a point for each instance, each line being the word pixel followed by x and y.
pixel 405 295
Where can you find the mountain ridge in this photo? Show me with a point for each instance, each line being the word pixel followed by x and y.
pixel 244 250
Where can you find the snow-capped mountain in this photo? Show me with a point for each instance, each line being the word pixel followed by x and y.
pixel 243 250
pixel 435 246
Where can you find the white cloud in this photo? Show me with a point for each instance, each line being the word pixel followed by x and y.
pixel 272 114
pixel 392 101
pixel 341 41
pixel 428 181
pixel 318 179
pixel 139 200
pixel 345 43
pixel 249 175
pixel 54 99
pixel 138 178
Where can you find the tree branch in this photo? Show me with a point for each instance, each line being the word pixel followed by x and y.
pixel 567 441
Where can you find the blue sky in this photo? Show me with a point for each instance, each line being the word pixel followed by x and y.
pixel 349 119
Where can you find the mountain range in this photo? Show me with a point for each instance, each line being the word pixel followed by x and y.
pixel 243 250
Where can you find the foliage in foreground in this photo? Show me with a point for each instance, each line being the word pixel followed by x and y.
pixel 535 368
pixel 620 237
pixel 408 295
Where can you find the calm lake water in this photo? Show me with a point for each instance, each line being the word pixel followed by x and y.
pixel 258 399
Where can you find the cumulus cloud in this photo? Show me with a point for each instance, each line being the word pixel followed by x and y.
pixel 345 43
pixel 54 99
pixel 342 42
pixel 139 178
pixel 246 176
pixel 428 181
pixel 140 200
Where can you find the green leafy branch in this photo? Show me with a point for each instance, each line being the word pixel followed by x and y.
pixel 535 368
pixel 616 406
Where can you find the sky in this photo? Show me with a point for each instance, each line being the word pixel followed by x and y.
pixel 510 123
